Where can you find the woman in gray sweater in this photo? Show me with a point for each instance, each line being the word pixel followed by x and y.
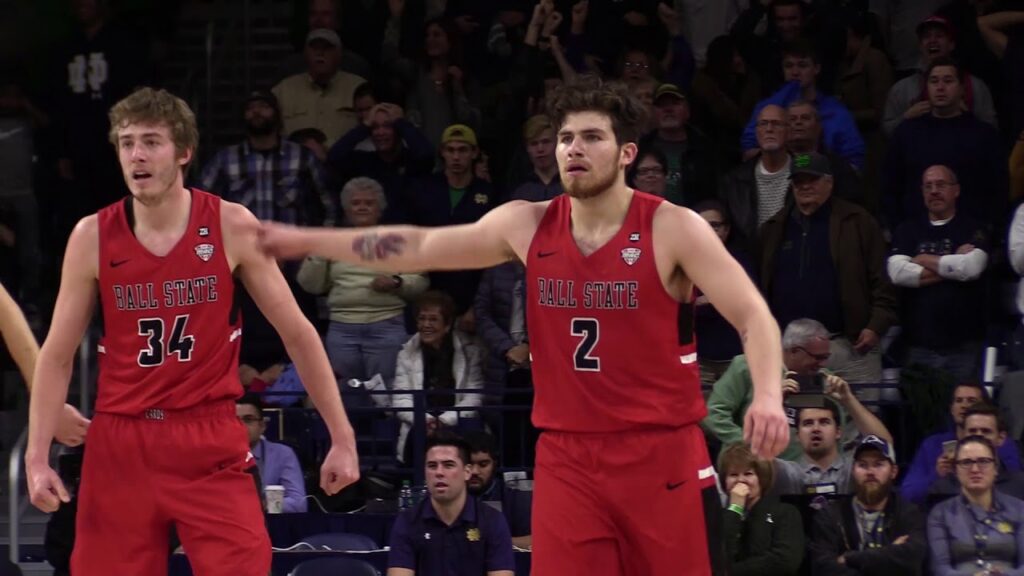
pixel 366 307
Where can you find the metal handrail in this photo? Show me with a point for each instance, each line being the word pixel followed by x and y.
pixel 15 506
pixel 14 481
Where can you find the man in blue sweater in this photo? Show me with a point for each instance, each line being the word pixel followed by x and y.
pixel 946 136
pixel 931 461
pixel 801 68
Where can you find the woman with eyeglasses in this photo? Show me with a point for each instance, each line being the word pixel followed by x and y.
pixel 649 172
pixel 981 531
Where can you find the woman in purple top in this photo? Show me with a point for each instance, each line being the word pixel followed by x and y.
pixel 981 531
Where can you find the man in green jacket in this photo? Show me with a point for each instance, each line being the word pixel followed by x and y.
pixel 805 350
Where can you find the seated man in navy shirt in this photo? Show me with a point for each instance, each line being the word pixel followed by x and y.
pixel 491 489
pixel 451 533
pixel 278 464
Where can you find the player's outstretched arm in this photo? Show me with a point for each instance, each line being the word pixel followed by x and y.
pixel 482 244
pixel 265 283
pixel 18 337
pixel 75 302
pixel 704 260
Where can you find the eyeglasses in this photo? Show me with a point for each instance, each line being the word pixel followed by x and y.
pixel 770 123
pixel 247 419
pixel 652 171
pixel 819 357
pixel 983 463
pixel 637 65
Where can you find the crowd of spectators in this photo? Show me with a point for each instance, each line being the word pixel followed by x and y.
pixel 859 158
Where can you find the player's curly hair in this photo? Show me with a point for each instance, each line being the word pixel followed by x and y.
pixel 591 94
pixel 149 105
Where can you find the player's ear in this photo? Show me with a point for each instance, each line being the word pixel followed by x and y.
pixel 185 157
pixel 627 154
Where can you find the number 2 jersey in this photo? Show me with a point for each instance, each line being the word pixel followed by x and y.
pixel 612 350
pixel 171 333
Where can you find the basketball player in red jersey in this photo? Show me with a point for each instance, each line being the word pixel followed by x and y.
pixel 165 447
pixel 622 477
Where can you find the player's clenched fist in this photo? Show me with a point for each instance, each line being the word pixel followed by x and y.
pixel 765 427
pixel 340 468
pixel 45 489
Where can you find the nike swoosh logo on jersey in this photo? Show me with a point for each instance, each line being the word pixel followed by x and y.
pixel 8 133
pixel 116 263
pixel 546 254
pixel 673 486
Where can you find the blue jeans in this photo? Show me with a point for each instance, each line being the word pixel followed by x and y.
pixel 362 350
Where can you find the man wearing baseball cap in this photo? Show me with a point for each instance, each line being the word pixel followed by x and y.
pixel 252 172
pixel 908 99
pixel 823 257
pixel 875 533
pixel 322 96
pixel 455 195
pixel 691 160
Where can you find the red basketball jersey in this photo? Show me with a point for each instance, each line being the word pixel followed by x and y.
pixel 171 334
pixel 612 350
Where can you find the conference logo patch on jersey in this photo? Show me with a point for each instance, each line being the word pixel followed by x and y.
pixel 204 231
pixel 204 251
pixel 630 255
pixel 634 237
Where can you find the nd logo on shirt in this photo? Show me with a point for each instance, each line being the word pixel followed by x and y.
pixel 91 73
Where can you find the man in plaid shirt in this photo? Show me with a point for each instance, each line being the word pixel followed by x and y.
pixel 272 177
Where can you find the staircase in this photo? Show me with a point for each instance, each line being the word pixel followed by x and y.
pixel 221 51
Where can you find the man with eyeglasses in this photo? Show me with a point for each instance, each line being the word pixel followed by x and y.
pixel 278 463
pixel 939 260
pixel 805 351
pixel 982 420
pixel 756 190
pixel 933 459
pixel 876 532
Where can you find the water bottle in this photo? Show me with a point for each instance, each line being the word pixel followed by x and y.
pixel 405 496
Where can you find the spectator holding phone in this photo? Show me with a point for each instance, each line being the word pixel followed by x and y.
pixel 805 350
pixel 931 463
pixel 823 468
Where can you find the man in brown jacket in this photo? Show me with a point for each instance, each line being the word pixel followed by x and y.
pixel 823 257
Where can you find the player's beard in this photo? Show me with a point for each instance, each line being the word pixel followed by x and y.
pixel 873 493
pixel 600 182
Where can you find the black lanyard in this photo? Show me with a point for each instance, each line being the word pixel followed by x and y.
pixel 982 526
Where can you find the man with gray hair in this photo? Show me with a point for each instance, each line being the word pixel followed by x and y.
pixel 939 260
pixel 805 350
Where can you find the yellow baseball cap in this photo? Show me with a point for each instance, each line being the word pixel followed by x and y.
pixel 459 133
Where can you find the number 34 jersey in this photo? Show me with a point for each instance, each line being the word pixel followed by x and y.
pixel 171 333
pixel 612 350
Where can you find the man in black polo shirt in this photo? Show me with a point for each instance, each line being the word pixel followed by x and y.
pixel 939 260
pixel 451 533
pixel 823 257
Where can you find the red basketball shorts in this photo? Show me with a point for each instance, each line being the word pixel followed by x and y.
pixel 625 504
pixel 141 475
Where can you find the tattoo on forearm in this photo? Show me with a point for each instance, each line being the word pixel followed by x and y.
pixel 372 246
